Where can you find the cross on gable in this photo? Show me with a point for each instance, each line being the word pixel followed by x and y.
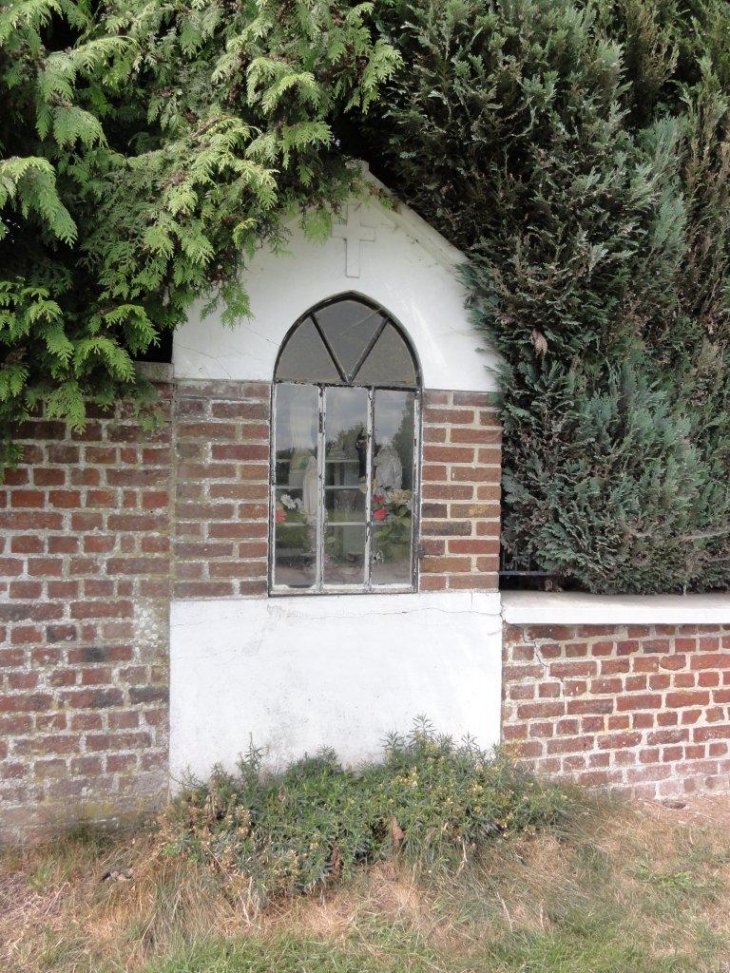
pixel 354 234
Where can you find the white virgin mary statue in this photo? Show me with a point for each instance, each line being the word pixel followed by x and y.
pixel 388 468
pixel 309 489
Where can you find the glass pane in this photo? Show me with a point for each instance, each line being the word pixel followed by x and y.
pixel 305 358
pixel 350 327
pixel 392 506
pixel 296 409
pixel 346 448
pixel 391 561
pixel 344 506
pixel 344 555
pixel 295 561
pixel 389 363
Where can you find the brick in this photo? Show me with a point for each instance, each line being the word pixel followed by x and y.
pixel 471 510
pixel 710 660
pixel 680 700
pixel 207 431
pixel 435 565
pixel 474 474
pixel 25 589
pixel 433 472
pixel 27 544
pixel 101 498
pixel 639 701
pixel 137 566
pixel 239 531
pixel 27 499
pixel 462 546
pixel 84 477
pixel 202 589
pixel 26 635
pixel 16 477
pixel 60 453
pixel 446 528
pixel 63 545
pixel 92 698
pixel 445 416
pixel 25 703
pixel 448 454
pixel 101 609
pixel 137 522
pixel 86 521
pixel 446 491
pixel 475 436
pixel 574 706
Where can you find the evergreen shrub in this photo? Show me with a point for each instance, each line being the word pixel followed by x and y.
pixel 431 801
pixel 579 153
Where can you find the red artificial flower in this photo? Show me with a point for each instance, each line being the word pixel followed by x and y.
pixel 280 516
pixel 379 514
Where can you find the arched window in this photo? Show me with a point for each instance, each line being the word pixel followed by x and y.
pixel 344 453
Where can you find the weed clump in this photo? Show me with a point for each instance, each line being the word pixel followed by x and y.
pixel 431 802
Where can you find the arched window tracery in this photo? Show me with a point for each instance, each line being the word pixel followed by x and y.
pixel 345 453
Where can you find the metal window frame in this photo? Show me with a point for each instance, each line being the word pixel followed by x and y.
pixel 367 587
pixel 319 588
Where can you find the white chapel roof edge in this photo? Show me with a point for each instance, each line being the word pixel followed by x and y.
pixel 414 225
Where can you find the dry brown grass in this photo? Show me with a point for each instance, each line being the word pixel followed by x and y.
pixel 660 875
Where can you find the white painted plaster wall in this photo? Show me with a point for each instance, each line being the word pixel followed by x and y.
pixel 296 674
pixel 576 608
pixel 408 268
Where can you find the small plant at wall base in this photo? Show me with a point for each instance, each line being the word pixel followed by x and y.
pixel 431 800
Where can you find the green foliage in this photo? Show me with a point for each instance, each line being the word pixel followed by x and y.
pixel 147 149
pixel 579 152
pixel 430 800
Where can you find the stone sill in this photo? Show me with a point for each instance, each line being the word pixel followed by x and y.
pixel 573 608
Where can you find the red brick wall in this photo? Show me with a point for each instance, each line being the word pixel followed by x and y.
pixel 222 474
pixel 645 709
pixel 460 492
pixel 84 594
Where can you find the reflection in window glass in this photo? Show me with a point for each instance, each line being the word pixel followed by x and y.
pixel 389 363
pixel 349 327
pixel 344 459
pixel 392 503
pixel 344 555
pixel 296 489
pixel 305 357
pixel 346 424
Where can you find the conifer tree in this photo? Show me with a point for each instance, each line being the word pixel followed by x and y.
pixel 579 153
pixel 146 148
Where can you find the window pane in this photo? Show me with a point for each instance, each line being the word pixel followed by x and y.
pixel 305 357
pixel 345 506
pixel 391 561
pixel 296 491
pixel 392 507
pixel 346 412
pixel 346 450
pixel 295 558
pixel 350 327
pixel 344 555
pixel 389 363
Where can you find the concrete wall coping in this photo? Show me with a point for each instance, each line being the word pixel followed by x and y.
pixel 155 371
pixel 575 608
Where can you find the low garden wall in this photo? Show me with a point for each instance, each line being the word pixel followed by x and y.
pixel 630 693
